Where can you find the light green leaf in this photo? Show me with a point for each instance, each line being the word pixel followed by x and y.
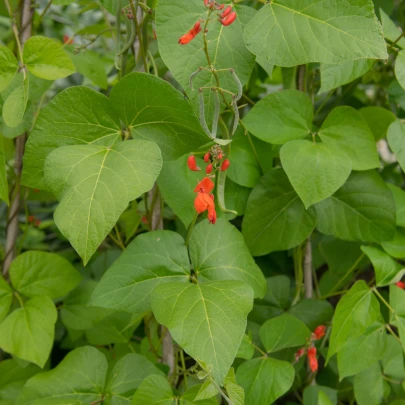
pixel 356 311
pixel 283 331
pixel 215 260
pixel 275 217
pixel 44 58
pixel 6 298
pixel 369 386
pixel 378 120
pixel 154 110
pixel 188 398
pixel 362 210
pixel 8 67
pixel 396 246
pixel 313 393
pixel 391 31
pixel 76 116
pixel 336 75
pixel 397 300
pixel 3 174
pixel 235 392
pixel 400 68
pixel 392 361
pixel 281 117
pixel 387 270
pixel 362 352
pixel 15 104
pixel 152 258
pixel 264 380
pixel 399 197
pixel 396 140
pixel 154 390
pixel 207 320
pixel 207 390
pixel 28 332
pixel 315 170
pixel 42 273
pixel 95 184
pixel 226 49
pixel 294 32
pixel 80 376
pixel 246 349
pixel 346 129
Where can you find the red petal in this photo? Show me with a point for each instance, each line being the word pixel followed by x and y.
pixel 206 185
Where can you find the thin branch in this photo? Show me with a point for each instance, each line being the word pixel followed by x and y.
pixel 308 285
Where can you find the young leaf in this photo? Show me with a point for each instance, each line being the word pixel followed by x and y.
pixel 315 170
pixel 362 210
pixel 3 174
pixel 291 33
pixel 152 258
pixel 281 117
pixel 189 397
pixel 8 67
pixel 264 380
pixel 207 390
pixel 396 140
pixel 355 312
pixel 207 320
pixel 41 273
pixel 399 197
pixel 396 246
pixel 6 298
pixel 95 184
pixel 283 331
pixel 346 129
pixel 154 390
pixel 275 217
pixel 215 260
pixel 28 332
pixel 235 392
pixel 16 103
pixel 44 58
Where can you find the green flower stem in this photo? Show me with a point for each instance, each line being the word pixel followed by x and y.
pixel 376 292
pixel 190 228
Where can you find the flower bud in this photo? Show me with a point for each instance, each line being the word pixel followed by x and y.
pixel 312 352
pixel 313 363
pixel 400 284
pixel 225 164
pixel 228 20
pixel 319 332
pixel 192 164
pixel 207 157
pixel 208 169
pixel 226 12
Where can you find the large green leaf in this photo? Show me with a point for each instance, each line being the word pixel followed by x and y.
pixel 396 140
pixel 378 120
pixel 356 311
pixel 312 312
pixel 41 273
pixel 399 197
pixel 346 129
pixel 8 67
pixel 275 217
pixel 369 386
pixel 362 210
pixel 396 246
pixel 95 184
pixel 152 258
pixel 315 170
pixel 76 116
pixel 312 394
pixel 152 109
pixel 264 380
pixel 16 103
pixel 154 390
pixel 225 47
pixel 207 320
pixel 391 31
pixel 215 260
pixel 284 331
pixel 281 117
pixel 3 174
pixel 6 298
pixel 44 58
pixel 387 270
pixel 400 68
pixel 336 75
pixel 28 332
pixel 295 32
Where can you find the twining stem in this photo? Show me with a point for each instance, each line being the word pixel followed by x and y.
pixel 308 285
pixel 220 391
pixel 377 293
pixel 183 364
pixel 134 9
pixel 190 228
pixel 388 327
pixel 259 350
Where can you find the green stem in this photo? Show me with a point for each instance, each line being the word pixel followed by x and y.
pixel 376 292
pixel 183 364
pixel 259 350
pixel 388 327
pixel 220 391
pixel 19 299
pixel 190 228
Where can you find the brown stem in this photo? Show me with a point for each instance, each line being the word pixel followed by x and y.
pixel 309 289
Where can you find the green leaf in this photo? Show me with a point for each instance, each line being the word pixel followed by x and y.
pixel 152 258
pixel 356 311
pixel 369 386
pixel 154 110
pixel 189 398
pixel 400 323
pixel 313 393
pixel 80 376
pixel 378 120
pixel 246 349
pixel 95 184
pixel 392 361
pixel 28 332
pixel 397 300
pixel 336 75
pixel 207 320
pixel 207 390
pixel 226 49
pixel 264 380
pixel 362 210
pixel 8 67
pixel 3 174
pixel 396 140
pixel 400 68
pixel 281 117
pixel 387 270
pixel 15 104
pixel 396 246
pixel 399 197
pixel 362 352
pixel 41 273
pixel 44 58
pixel 391 31
pixel 312 312
pixel 76 116
pixel 6 298
pixel 235 392
pixel 294 32
pixel 315 170
pixel 275 217
pixel 215 260
pixel 282 332
pixel 154 390
pixel 346 129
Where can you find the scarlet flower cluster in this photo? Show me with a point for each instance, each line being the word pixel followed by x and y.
pixel 67 40
pixel 33 220
pixel 400 284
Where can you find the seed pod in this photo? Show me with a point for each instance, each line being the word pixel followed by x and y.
pixel 226 12
pixel 225 164
pixel 202 113
pixel 236 113
pixel 208 169
pixel 228 20
pixel 207 157
pixel 238 83
pixel 216 114
pixel 192 76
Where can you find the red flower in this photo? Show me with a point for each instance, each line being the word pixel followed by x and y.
pixel 208 169
pixel 400 284
pixel 228 20
pixel 202 202
pixel 190 35
pixel 192 164
pixel 225 164
pixel 312 352
pixel 313 363
pixel 212 214
pixel 31 218
pixel 207 157
pixel 319 332
pixel 67 40
pixel 206 185
pixel 226 12
pixel 299 353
